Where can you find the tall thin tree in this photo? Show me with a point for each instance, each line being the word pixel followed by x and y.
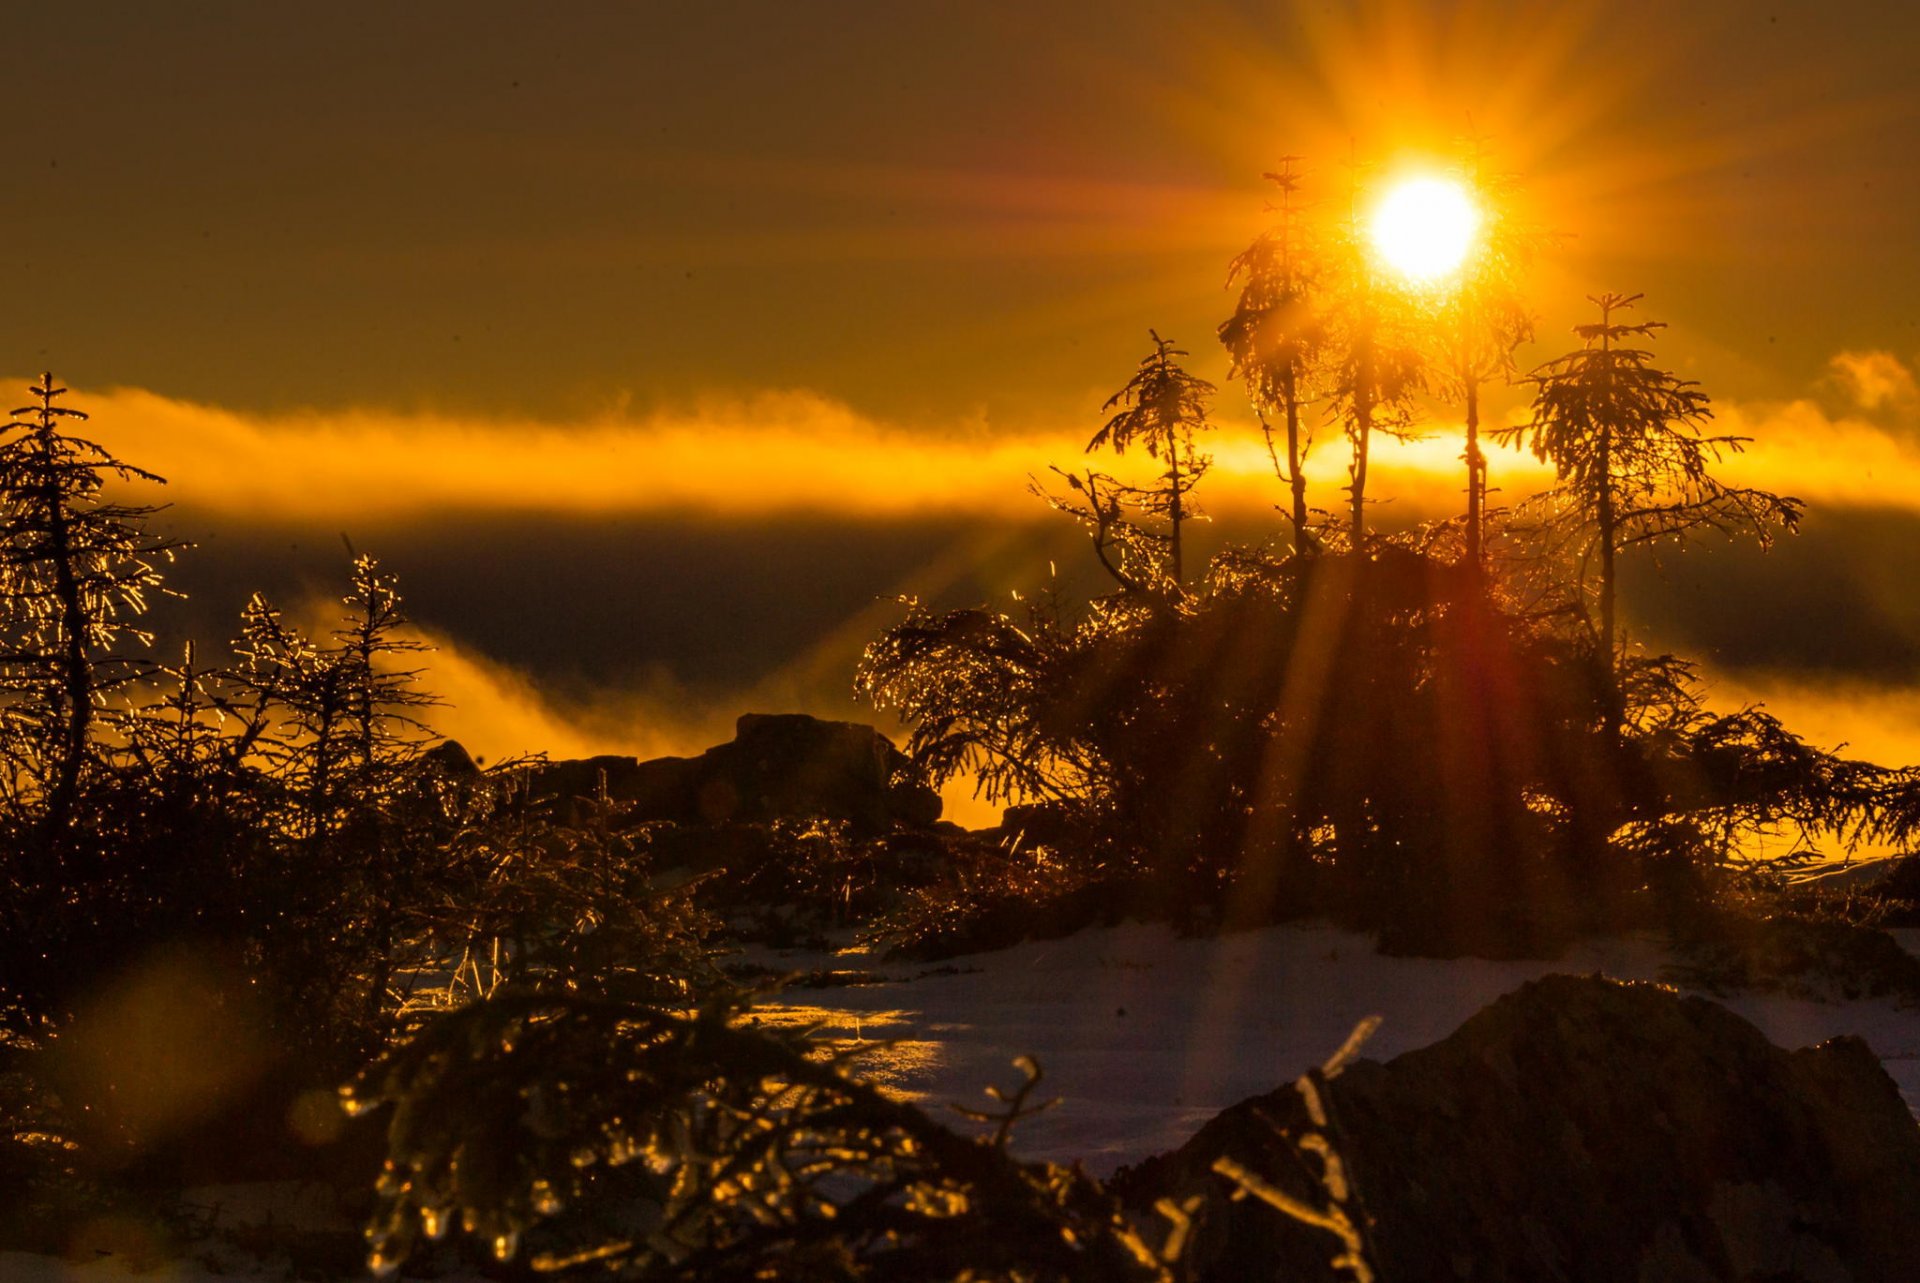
pixel 1164 408
pixel 1482 320
pixel 1375 365
pixel 1277 332
pixel 1625 440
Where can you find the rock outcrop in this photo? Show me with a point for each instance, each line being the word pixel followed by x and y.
pixel 1582 1130
pixel 778 766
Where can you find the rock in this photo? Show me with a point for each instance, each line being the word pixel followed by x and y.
pixel 1581 1130
pixel 786 766
pixel 450 758
pixel 1899 889
pixel 1060 825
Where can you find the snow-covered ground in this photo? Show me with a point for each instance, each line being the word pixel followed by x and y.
pixel 1144 1036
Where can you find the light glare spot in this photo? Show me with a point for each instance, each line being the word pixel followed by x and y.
pixel 1424 227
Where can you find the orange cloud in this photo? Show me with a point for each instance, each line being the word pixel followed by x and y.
pixel 797 452
pixel 769 453
pixel 1875 380
pixel 1799 448
pixel 746 456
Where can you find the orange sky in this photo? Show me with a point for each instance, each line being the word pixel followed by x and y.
pixel 929 214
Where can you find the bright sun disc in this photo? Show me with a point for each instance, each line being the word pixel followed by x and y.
pixel 1423 227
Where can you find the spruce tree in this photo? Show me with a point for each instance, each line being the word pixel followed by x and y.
pixel 1277 333
pixel 76 572
pixel 1624 437
pixel 1164 408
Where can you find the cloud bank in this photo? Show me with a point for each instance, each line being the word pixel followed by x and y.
pixel 798 452
pixel 777 452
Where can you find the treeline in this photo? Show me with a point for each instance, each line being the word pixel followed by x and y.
pixel 1443 733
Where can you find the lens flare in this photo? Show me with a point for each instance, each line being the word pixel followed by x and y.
pixel 1423 228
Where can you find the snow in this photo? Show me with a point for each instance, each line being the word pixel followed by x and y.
pixel 1144 1036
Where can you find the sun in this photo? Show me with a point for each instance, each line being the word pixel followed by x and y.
pixel 1424 227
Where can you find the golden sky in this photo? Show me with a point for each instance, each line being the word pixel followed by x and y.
pixel 924 212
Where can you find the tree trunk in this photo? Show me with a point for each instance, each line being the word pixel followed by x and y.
pixel 76 677
pixel 1609 522
pixel 1296 480
pixel 1174 512
pixel 1476 479
pixel 1362 435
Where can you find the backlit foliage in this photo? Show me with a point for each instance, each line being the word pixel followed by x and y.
pixel 597 1136
pixel 1634 467
pixel 1137 530
pixel 78 571
pixel 1436 732
pixel 1278 335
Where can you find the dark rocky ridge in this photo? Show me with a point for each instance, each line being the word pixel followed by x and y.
pixel 778 766
pixel 1582 1130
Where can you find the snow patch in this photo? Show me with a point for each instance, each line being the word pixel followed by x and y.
pixel 1145 1035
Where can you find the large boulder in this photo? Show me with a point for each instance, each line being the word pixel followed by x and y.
pixel 778 766
pixel 1577 1129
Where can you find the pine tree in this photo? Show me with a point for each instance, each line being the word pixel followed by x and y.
pixel 1277 333
pixel 1375 366
pixel 337 722
pixel 1480 323
pixel 1625 440
pixel 339 730
pixel 1164 408
pixel 76 570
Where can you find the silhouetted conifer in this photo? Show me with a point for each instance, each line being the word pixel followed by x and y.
pixel 1480 320
pixel 76 571
pixel 1625 441
pixel 1164 408
pixel 1375 362
pixel 1277 335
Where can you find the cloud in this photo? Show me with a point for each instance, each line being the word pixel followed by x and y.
pixel 1868 720
pixel 1875 380
pixel 498 712
pixel 1798 447
pixel 801 453
pixel 753 456
pixel 782 451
